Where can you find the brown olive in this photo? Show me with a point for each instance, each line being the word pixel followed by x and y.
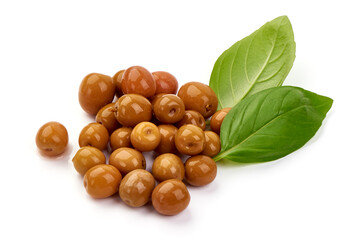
pixel 120 138
pixel 131 109
pixel 127 159
pixel 145 136
pixel 106 117
pixel 136 188
pixel 102 181
pixel 52 139
pixel 95 135
pixel 200 170
pixel 167 143
pixel 217 119
pixel 192 117
pixel 96 90
pixel 189 139
pixel 170 197
pixel 117 79
pixel 169 108
pixel 165 82
pixel 212 144
pixel 87 157
pixel 138 80
pixel 199 97
pixel 168 166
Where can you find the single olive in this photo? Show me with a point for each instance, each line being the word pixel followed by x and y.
pixel 131 109
pixel 145 136
pixel 96 90
pixel 167 143
pixel 87 157
pixel 192 117
pixel 169 108
pixel 138 80
pixel 95 135
pixel 120 138
pixel 200 170
pixel 168 166
pixel 217 119
pixel 106 116
pixel 117 79
pixel 127 159
pixel 102 181
pixel 136 188
pixel 212 145
pixel 165 82
pixel 189 139
pixel 199 97
pixel 170 197
pixel 52 138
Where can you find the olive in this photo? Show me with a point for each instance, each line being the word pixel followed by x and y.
pixel 169 108
pixel 127 159
pixel 199 97
pixel 192 117
pixel 52 139
pixel 165 82
pixel 168 166
pixel 145 136
pixel 96 90
pixel 120 138
pixel 117 79
pixel 170 197
pixel 217 119
pixel 106 117
pixel 200 170
pixel 102 181
pixel 167 143
pixel 212 144
pixel 138 80
pixel 136 188
pixel 87 157
pixel 190 139
pixel 131 109
pixel 95 135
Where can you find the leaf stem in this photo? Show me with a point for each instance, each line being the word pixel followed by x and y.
pixel 219 157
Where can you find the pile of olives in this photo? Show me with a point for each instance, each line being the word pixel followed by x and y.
pixel 138 111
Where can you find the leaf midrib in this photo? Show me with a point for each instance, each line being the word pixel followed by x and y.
pixel 225 153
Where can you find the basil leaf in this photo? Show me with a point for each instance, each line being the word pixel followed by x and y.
pixel 261 60
pixel 271 124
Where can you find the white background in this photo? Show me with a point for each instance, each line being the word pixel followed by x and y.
pixel 47 47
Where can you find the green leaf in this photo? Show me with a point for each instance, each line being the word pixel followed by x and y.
pixel 271 124
pixel 261 60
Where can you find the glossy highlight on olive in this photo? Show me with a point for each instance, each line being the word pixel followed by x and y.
pixel 169 108
pixel 131 109
pixel 96 90
pixel 95 135
pixel 86 158
pixel 190 140
pixel 199 97
pixel 52 139
pixel 170 197
pixel 138 80
pixel 127 159
pixel 168 166
pixel 165 82
pixel 106 117
pixel 145 136
pixel 102 181
pixel 136 188
pixel 200 170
